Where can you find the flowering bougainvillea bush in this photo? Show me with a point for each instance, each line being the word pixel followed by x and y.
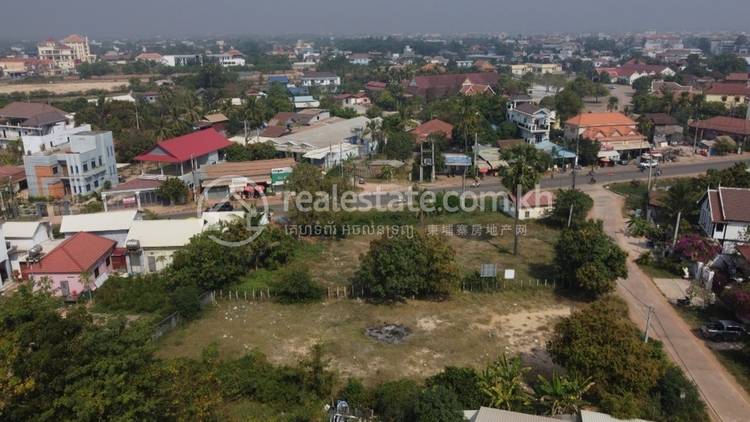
pixel 693 247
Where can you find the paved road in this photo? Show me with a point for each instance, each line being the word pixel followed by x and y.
pixel 727 401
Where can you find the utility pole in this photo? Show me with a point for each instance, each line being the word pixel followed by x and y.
pixel 421 162
pixel 575 162
pixel 476 145
pixel 648 323
pixel 432 178
pixel 570 215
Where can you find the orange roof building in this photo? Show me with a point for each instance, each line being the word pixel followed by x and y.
pixel 615 131
pixel 434 126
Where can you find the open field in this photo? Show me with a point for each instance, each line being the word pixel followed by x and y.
pixel 469 329
pixel 333 262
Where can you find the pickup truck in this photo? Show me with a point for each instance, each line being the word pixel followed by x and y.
pixel 648 163
pixel 723 330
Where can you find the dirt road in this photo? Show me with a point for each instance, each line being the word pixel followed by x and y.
pixel 727 401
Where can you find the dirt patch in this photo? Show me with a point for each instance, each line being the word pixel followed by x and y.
pixel 389 333
pixel 467 330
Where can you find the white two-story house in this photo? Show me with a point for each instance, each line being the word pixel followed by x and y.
pixel 725 216
pixel 533 121
pixel 321 79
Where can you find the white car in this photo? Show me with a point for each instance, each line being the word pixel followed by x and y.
pixel 648 163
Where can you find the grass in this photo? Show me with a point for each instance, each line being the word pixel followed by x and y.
pixel 634 193
pixel 654 271
pixel 468 329
pixel 333 262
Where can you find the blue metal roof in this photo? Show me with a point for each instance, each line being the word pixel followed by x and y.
pixel 556 151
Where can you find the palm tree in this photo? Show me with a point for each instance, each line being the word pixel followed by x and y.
pixel 502 382
pixel 562 395
pixel 525 165
pixel 681 200
pixel 373 129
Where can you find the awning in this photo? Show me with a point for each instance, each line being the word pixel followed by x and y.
pixel 608 154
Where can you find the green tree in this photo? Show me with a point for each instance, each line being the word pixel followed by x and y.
pixel 580 202
pixel 681 201
pixel 173 189
pixel 612 103
pixel 588 258
pixel 297 286
pixel 600 342
pixel 503 385
pixel 463 382
pixel 395 400
pixel 438 404
pixel 403 266
pixel 568 104
pixel 525 165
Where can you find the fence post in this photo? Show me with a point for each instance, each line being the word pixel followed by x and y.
pixel 268 293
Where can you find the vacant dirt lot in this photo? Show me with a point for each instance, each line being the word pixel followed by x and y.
pixel 468 330
pixel 66 87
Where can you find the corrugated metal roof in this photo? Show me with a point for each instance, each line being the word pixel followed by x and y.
pixel 165 233
pixel 98 222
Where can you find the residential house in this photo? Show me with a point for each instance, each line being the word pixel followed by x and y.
pixel 59 54
pixel 150 244
pixel 536 68
pixel 661 88
pixel 39 126
pixel 113 225
pixel 352 100
pixel 305 102
pixel 634 70
pixel 229 58
pixel 14 67
pixel 149 57
pixel 617 133
pixel 307 117
pixel 441 86
pixel 320 79
pixel 534 122
pixel 217 121
pixel 328 142
pixel 12 179
pixel 81 263
pixel 21 236
pixel 79 46
pixel 730 94
pixel 179 60
pixel 487 414
pixel 375 86
pixel 133 194
pixel 738 78
pixel 666 129
pixel 84 165
pixel 737 128
pixel 184 156
pixel 725 216
pixel 533 205
pixel 432 127
pixel 363 59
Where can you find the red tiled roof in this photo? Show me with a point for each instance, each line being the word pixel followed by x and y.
pixel 724 124
pixel 728 89
pixel 612 133
pixel 449 84
pixel 15 173
pixel 75 255
pixel 738 77
pixel 136 184
pixel 729 204
pixel 273 131
pixel 183 148
pixel 433 126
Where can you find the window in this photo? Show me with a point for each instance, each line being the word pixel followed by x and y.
pixel 720 227
pixel 100 161
pixel 151 264
pixel 96 272
pixel 108 261
pixel 54 170
pixel 527 214
pixel 85 167
pixel 88 187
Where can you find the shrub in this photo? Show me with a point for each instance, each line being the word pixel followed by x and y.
pixel 297 286
pixel 464 382
pixel 394 400
pixel 581 202
pixel 696 248
pixel 140 294
pixel 438 404
pixel 185 300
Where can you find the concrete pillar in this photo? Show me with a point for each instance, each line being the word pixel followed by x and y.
pixel 104 201
pixel 138 199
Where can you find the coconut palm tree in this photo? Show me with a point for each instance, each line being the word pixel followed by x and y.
pixel 681 200
pixel 562 395
pixel 502 383
pixel 525 165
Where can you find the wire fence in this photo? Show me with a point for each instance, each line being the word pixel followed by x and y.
pixel 173 320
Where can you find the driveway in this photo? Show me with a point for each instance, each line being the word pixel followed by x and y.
pixel 727 401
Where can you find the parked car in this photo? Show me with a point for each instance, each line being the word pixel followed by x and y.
pixel 723 330
pixel 221 207
pixel 648 163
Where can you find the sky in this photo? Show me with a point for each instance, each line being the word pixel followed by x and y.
pixel 36 19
